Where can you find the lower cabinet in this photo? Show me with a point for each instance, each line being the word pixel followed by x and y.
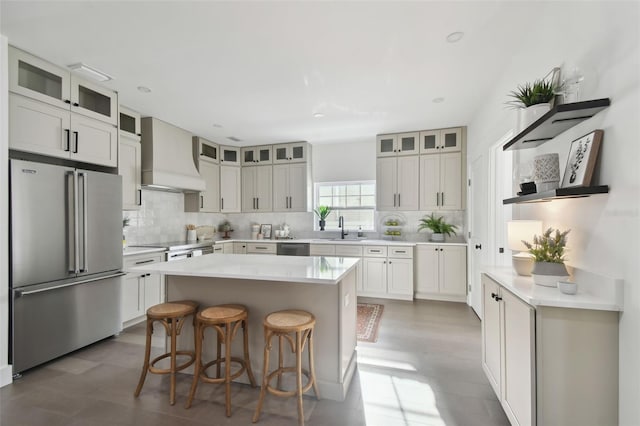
pixel 549 365
pixel 140 291
pixel 239 248
pixel 261 248
pixel 441 272
pixel 387 272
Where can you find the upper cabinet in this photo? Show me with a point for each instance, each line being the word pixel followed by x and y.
pixel 296 152
pixel 51 112
pixel 204 150
pixel 442 140
pixel 129 124
pixel 38 79
pixel 230 155
pixel 256 155
pixel 130 159
pixel 206 159
pixel 398 144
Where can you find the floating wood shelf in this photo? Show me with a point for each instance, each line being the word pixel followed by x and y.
pixel 557 120
pixel 556 194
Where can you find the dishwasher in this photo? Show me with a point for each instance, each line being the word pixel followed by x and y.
pixel 293 249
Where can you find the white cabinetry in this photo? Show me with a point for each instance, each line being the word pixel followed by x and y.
pixel 229 155
pixel 399 144
pixel 52 112
pixel 129 160
pixel 140 291
pixel 291 192
pixel 545 362
pixel 441 272
pixel 205 156
pixel 397 183
pixel 257 189
pixel 441 181
pixel 442 140
pixel 239 248
pixel 261 248
pixel 388 272
pixel 230 184
pixel 296 152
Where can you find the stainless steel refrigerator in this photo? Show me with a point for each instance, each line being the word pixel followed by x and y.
pixel 66 259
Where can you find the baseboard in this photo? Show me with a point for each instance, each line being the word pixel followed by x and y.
pixel 440 297
pixel 6 375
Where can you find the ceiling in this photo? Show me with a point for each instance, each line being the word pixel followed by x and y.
pixel 259 71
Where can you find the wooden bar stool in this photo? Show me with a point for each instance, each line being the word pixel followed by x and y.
pixel 281 324
pixel 225 319
pixel 172 316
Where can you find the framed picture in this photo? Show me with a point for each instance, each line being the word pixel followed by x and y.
pixel 265 230
pixel 582 160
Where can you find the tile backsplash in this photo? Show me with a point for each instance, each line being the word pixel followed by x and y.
pixel 162 218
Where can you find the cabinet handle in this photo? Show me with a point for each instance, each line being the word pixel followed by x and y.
pixel 375 251
pixel 493 295
pixel 389 262
pixel 221 203
pixel 442 198
pixel 399 200
pixel 478 246
pixel 139 197
pixel 75 149
pixel 67 101
pixel 437 198
pixel 400 251
pixel 257 203
pixel 68 132
pixel 441 249
pixel 394 199
pixel 76 104
pixel 201 201
pixel 144 261
pixel 498 298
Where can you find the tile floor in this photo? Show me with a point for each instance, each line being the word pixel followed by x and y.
pixel 424 370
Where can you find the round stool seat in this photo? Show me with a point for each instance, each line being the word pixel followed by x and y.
pixel 172 310
pixel 289 320
pixel 223 313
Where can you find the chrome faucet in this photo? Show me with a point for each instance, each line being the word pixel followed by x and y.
pixel 341 226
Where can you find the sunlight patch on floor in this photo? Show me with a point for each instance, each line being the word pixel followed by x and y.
pixel 395 401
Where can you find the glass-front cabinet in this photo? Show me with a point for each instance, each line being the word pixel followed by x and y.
pixel 290 152
pixel 206 150
pixel 256 155
pixel 386 145
pixel 38 79
pixel 443 140
pixel 398 144
pixel 230 155
pixel 129 124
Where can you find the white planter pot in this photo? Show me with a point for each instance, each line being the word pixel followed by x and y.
pixel 437 237
pixel 548 274
pixel 526 116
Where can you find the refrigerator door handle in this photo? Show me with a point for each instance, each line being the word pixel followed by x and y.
pixel 73 221
pixel 20 293
pixel 85 262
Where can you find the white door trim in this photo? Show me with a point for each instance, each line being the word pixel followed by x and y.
pixel 499 187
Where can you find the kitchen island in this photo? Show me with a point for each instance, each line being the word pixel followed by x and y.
pixel 324 286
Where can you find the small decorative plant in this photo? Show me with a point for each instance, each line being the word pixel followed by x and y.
pixel 322 212
pixel 528 94
pixel 548 247
pixel 125 222
pixel 437 225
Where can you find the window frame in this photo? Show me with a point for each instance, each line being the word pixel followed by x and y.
pixel 372 208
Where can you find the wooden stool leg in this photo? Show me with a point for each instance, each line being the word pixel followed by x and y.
pixel 280 360
pixel 247 361
pixel 174 337
pixel 265 373
pixel 227 368
pixel 299 377
pixel 199 335
pixel 312 369
pixel 218 353
pixel 147 355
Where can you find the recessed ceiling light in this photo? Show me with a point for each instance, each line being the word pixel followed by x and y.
pixel 144 89
pixel 90 72
pixel 455 37
pixel 216 125
pixel 318 115
pixel 438 100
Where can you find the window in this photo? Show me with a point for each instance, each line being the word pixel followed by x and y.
pixel 355 201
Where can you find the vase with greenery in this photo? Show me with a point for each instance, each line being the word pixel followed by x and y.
pixel 438 227
pixel 225 226
pixel 533 100
pixel 548 251
pixel 322 212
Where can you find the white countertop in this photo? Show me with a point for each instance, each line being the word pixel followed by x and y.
pixel 130 251
pixel 594 291
pixel 294 269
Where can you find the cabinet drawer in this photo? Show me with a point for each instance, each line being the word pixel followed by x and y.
pixel 375 251
pixel 146 259
pixel 401 252
pixel 218 249
pixel 354 251
pixel 322 250
pixel 261 248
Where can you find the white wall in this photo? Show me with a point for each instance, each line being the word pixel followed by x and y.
pixel 601 38
pixel 344 161
pixel 5 368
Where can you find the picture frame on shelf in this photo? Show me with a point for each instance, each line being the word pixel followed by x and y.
pixel 582 158
pixel 265 230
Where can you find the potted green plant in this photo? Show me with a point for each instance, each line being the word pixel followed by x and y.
pixel 533 100
pixel 438 227
pixel 549 257
pixel 322 212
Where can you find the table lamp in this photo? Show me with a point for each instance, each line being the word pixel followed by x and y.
pixel 518 230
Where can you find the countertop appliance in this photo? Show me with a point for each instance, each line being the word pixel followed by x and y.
pixel 293 249
pixel 176 250
pixel 66 260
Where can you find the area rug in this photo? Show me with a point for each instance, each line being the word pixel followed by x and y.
pixel 369 315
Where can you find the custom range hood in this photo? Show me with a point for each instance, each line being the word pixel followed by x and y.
pixel 167 160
